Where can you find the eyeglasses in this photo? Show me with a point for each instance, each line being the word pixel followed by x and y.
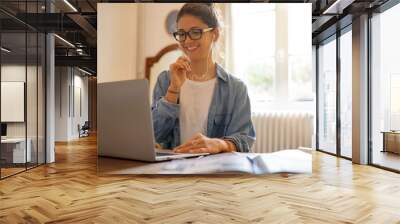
pixel 194 34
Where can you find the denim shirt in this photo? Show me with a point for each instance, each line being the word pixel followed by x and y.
pixel 229 115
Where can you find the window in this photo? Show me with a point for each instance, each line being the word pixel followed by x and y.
pixel 346 94
pixel 385 84
pixel 394 102
pixel 327 96
pixel 300 74
pixel 253 35
pixel 272 54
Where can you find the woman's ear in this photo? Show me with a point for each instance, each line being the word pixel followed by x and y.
pixel 216 35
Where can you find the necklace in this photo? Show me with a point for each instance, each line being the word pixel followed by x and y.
pixel 196 77
pixel 204 75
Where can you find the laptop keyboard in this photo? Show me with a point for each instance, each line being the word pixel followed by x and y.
pixel 164 154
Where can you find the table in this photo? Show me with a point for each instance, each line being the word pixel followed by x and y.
pixel 13 150
pixel 391 141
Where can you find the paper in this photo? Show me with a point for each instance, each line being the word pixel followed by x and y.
pixel 219 163
pixel 288 161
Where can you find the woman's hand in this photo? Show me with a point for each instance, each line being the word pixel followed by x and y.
pixel 202 144
pixel 179 71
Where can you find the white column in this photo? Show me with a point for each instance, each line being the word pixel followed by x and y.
pixel 360 90
pixel 50 99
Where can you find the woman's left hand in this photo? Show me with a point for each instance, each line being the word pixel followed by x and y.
pixel 202 144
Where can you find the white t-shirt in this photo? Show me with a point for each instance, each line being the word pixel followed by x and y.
pixel 194 99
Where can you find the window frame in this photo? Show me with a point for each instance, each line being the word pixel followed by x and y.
pixel 334 37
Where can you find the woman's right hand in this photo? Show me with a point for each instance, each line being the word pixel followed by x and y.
pixel 179 71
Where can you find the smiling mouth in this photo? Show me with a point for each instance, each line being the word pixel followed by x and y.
pixel 192 48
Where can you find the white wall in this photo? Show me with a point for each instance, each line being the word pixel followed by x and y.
pixel 33 127
pixel 152 35
pixel 62 80
pixel 10 73
pixel 127 34
pixel 80 83
pixel 116 41
pixel 68 82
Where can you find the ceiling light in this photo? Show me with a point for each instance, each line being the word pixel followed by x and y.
pixel 5 50
pixel 70 5
pixel 84 71
pixel 337 7
pixel 64 40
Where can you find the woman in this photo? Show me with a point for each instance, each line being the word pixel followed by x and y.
pixel 197 106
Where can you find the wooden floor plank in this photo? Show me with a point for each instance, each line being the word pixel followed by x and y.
pixel 70 191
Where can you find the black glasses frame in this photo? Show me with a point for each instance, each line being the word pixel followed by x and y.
pixel 189 33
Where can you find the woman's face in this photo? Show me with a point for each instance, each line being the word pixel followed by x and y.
pixel 196 49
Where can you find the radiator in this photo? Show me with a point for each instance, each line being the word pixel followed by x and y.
pixel 282 130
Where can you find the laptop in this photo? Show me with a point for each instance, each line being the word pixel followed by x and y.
pixel 3 131
pixel 125 125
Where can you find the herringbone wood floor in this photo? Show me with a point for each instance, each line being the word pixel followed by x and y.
pixel 69 191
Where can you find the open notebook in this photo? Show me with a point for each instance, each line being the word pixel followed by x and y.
pixel 286 161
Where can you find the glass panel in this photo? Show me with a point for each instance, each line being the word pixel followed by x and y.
pixel 31 101
pixel 13 87
pixel 16 8
pixel 327 97
pixel 394 102
pixel 22 88
pixel 31 86
pixel 386 89
pixel 346 94
pixel 41 98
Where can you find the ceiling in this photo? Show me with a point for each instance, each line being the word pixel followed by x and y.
pixel 76 22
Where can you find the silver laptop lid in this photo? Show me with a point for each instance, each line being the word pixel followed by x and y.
pixel 125 127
